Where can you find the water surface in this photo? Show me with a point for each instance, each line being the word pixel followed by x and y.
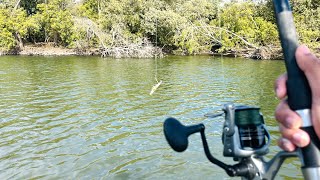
pixel 93 118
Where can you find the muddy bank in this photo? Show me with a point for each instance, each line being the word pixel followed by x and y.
pixel 47 50
pixel 263 53
pixel 34 50
pixel 274 53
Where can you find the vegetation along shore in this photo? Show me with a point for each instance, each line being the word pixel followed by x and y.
pixel 148 28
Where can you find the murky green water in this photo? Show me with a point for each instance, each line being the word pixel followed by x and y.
pixel 93 118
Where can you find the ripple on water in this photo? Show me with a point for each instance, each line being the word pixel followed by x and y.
pixel 92 118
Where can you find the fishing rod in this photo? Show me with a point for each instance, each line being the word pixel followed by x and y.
pixel 298 89
pixel 245 137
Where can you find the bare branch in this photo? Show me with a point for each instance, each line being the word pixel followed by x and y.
pixel 17 4
pixel 208 31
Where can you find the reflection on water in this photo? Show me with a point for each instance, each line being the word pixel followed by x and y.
pixel 92 118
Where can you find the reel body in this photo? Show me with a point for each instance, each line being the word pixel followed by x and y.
pixel 244 132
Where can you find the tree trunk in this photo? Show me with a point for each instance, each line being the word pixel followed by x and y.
pixel 19 40
pixel 55 38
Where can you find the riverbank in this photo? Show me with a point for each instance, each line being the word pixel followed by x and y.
pixel 49 50
pixel 263 53
pixel 134 51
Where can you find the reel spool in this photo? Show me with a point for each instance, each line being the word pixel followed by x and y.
pixel 244 132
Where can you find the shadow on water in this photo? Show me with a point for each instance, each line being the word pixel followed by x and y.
pixel 89 118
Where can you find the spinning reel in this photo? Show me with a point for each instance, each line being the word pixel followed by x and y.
pixel 244 138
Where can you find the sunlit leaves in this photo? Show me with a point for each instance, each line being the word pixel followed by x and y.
pixel 307 20
pixel 57 22
pixel 14 26
pixel 242 20
pixel 182 26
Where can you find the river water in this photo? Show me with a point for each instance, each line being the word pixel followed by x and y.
pixel 93 118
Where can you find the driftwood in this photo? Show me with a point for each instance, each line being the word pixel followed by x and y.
pixel 141 50
pixel 263 52
pixel 252 51
pixel 92 29
pixel 210 32
pixel 118 46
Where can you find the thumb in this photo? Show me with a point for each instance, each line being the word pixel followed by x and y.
pixel 310 65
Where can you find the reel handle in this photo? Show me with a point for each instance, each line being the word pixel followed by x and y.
pixel 177 134
pixel 298 89
pixel 177 137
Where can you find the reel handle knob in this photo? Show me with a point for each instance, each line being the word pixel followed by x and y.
pixel 177 134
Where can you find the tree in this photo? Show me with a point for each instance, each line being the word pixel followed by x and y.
pixel 30 5
pixel 15 25
pixel 178 26
pixel 56 22
pixel 90 9
pixel 241 27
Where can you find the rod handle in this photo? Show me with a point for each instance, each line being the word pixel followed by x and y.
pixel 298 89
pixel 310 154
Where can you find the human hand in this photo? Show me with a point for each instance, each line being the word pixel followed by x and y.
pixel 289 121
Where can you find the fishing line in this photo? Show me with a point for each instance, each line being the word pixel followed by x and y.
pixel 155 87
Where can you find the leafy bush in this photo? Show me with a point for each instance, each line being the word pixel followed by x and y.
pixel 241 27
pixel 14 27
pixel 56 23
pixel 182 26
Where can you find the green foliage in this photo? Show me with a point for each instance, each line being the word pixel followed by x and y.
pixel 30 5
pixel 307 20
pixel 14 26
pixel 266 11
pixel 183 26
pixel 241 27
pixel 90 9
pixel 56 22
pixel 176 27
pixel 163 26
pixel 7 40
pixel 195 10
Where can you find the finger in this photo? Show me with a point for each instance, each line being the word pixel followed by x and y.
pixel 285 116
pixel 286 145
pixel 280 86
pixel 315 114
pixel 310 65
pixel 297 136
